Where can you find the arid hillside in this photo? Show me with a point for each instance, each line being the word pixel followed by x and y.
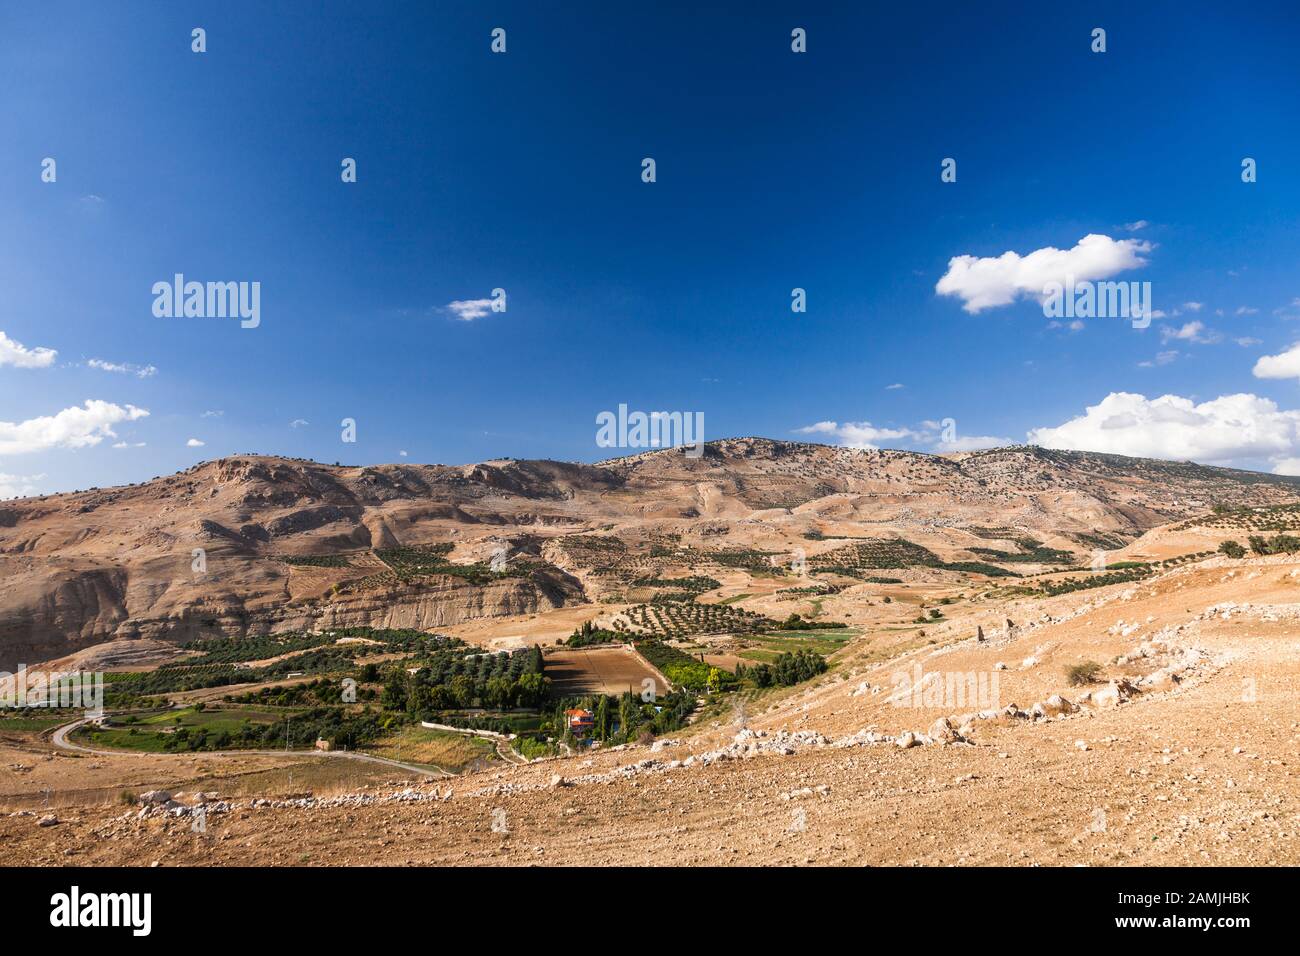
pixel 252 545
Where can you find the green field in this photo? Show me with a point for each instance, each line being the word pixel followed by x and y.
pixel 36 720
pixel 148 732
pixel 775 643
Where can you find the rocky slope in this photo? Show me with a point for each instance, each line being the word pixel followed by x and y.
pixel 220 548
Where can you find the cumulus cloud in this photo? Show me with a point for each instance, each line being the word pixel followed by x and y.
pixel 19 486
pixel 19 356
pixel 1283 365
pixel 988 282
pixel 857 434
pixel 123 368
pixel 195 443
pixel 1190 332
pixel 1176 428
pixel 467 310
pixel 77 427
pixel 928 433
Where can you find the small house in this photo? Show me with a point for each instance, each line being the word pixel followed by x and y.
pixel 579 721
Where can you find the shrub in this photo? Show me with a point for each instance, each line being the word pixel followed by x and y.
pixel 1087 672
pixel 1232 549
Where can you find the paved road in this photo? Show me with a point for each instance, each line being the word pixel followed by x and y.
pixel 60 739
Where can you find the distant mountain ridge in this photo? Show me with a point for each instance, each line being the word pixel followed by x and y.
pixel 86 567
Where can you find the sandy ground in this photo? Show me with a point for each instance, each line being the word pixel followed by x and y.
pixel 1201 771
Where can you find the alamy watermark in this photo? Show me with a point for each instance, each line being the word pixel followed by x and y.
pixel 208 300
pixel 651 430
pixel 953 689
pixel 53 689
pixel 1098 300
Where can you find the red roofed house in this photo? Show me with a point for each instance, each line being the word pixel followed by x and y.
pixel 579 721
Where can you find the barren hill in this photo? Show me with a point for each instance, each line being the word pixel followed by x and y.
pixel 255 545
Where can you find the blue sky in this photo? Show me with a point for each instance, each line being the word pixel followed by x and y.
pixel 522 171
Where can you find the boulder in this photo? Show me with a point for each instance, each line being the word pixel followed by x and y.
pixel 1114 693
pixel 943 732
pixel 1056 704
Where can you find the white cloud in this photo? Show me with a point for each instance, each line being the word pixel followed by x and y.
pixel 402 452
pixel 195 443
pixel 1283 365
pixel 299 423
pixel 973 443
pixel 985 283
pixel 123 444
pixel 1193 306
pixel 1245 310
pixel 866 435
pixel 467 310
pixel 212 414
pixel 1176 428
pixel 19 486
pixel 1162 358
pixel 1190 332
pixel 76 427
pixel 889 388
pixel 1136 226
pixel 856 434
pixel 139 371
pixel 19 356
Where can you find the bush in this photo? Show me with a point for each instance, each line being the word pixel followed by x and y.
pixel 1232 549
pixel 1087 672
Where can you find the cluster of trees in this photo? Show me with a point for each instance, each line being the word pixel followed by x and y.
pixel 321 691
pixel 409 563
pixel 452 680
pixel 1066 585
pixel 625 718
pixel 1278 544
pixel 796 622
pixel 684 670
pixel 786 671
pixel 299 732
pixel 1232 549
pixel 589 634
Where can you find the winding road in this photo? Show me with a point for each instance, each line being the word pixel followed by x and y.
pixel 60 740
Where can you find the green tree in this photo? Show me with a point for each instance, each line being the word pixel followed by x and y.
pixel 1232 549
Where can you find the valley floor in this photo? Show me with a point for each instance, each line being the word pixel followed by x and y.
pixel 1202 771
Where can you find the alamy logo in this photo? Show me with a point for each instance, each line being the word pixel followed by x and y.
pixel 653 430
pixel 53 689
pixel 75 908
pixel 956 689
pixel 1098 300
pixel 208 300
